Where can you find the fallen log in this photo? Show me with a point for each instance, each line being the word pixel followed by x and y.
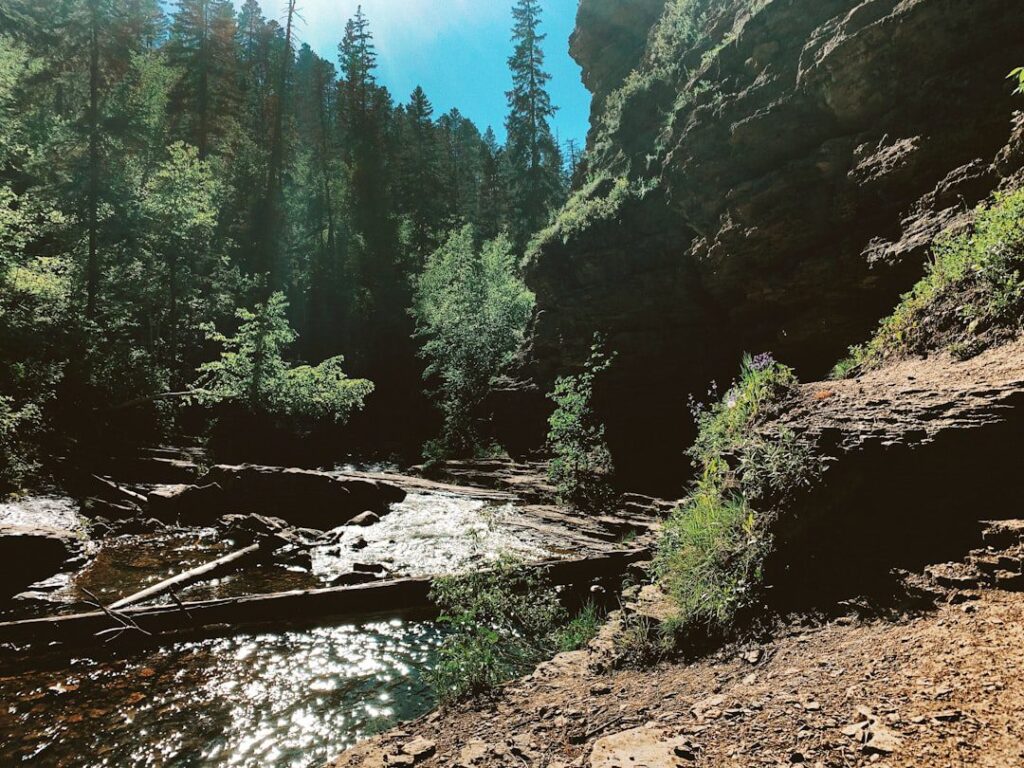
pixel 396 597
pixel 123 494
pixel 213 568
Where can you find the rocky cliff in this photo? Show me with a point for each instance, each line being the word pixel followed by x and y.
pixel 763 175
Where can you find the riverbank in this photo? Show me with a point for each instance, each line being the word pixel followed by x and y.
pixel 276 688
pixel 940 688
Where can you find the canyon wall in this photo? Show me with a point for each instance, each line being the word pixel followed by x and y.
pixel 763 175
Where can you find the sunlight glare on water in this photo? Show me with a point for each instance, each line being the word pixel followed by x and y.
pixel 287 700
pixel 276 700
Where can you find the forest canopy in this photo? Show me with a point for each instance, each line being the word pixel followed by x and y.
pixel 169 173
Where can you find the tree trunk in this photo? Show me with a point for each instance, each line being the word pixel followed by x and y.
pixel 92 268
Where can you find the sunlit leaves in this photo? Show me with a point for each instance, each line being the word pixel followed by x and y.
pixel 471 309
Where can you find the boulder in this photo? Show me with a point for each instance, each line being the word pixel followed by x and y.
pixel 29 554
pixel 195 504
pixel 303 497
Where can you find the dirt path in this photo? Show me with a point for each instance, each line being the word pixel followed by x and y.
pixel 939 690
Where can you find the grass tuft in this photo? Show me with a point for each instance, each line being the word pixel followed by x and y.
pixel 714 545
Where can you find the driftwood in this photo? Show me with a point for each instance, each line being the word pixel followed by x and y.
pixel 123 622
pixel 395 597
pixel 125 494
pixel 230 561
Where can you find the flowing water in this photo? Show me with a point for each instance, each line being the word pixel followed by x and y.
pixel 268 699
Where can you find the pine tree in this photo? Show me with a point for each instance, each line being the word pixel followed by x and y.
pixel 420 189
pixel 202 46
pixel 377 322
pixel 491 198
pixel 533 155
pixel 270 222
pixel 358 58
pixel 462 161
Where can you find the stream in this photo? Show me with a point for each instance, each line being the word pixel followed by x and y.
pixel 269 699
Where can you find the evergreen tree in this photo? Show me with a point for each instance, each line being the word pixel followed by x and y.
pixel 377 326
pixel 491 197
pixel 270 221
pixel 420 187
pixel 358 58
pixel 534 159
pixel 462 167
pixel 202 46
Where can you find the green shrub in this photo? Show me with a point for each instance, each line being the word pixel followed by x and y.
pixel 581 468
pixel 713 546
pixel 600 199
pixel 501 623
pixel 18 428
pixel 251 373
pixel 580 630
pixel 971 297
pixel 641 642
pixel 471 309
pixel 1017 76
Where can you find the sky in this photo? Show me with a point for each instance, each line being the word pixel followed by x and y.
pixel 456 49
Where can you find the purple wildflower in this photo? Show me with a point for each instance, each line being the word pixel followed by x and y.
pixel 762 362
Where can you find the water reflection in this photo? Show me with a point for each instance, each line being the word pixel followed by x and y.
pixel 292 699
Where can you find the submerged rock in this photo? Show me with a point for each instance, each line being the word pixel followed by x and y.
pixel 302 497
pixel 200 505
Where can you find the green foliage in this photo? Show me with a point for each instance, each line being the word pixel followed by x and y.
pixel 581 467
pixel 471 309
pixel 639 643
pixel 18 428
pixel 1017 75
pixel 533 154
pixel 726 426
pixel 502 622
pixel 163 164
pixel 711 550
pixel 714 545
pixel 599 200
pixel 251 372
pixel 971 297
pixel 580 630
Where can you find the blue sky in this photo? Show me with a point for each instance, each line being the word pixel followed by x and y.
pixel 456 49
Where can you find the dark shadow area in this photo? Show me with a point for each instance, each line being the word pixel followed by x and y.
pixel 884 508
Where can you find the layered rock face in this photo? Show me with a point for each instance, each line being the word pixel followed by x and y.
pixel 770 180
